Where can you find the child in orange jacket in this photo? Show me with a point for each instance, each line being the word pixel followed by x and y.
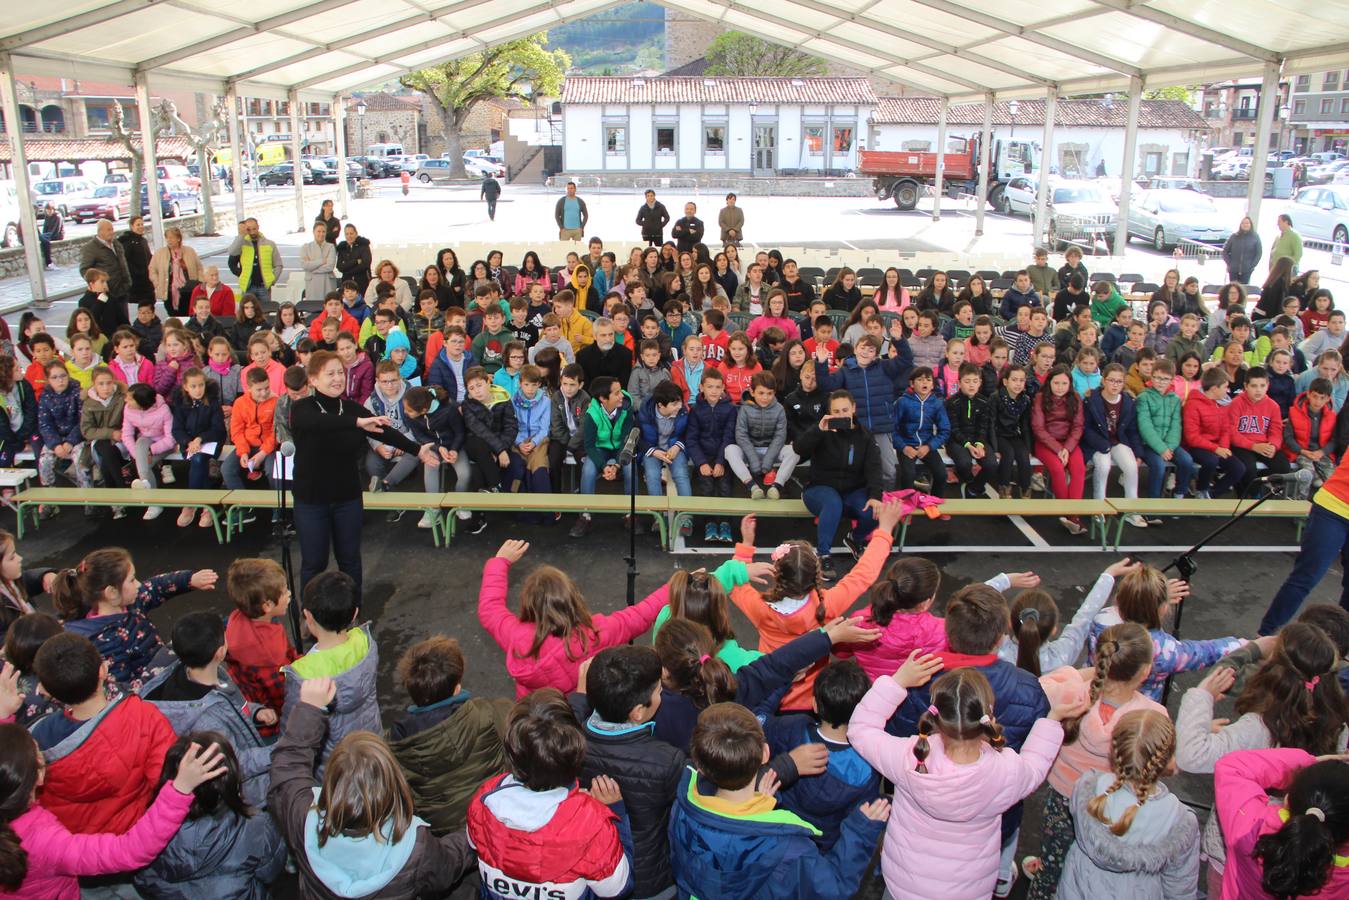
pixel 799 601
pixel 252 432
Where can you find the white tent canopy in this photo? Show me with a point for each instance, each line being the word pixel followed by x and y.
pixel 957 50
pixel 961 49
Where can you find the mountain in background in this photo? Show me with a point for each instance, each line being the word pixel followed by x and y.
pixel 624 39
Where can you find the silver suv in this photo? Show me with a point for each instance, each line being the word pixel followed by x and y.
pixel 1081 213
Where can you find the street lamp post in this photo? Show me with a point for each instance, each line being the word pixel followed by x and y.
pixel 360 117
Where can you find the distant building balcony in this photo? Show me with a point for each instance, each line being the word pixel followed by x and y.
pixel 1247 113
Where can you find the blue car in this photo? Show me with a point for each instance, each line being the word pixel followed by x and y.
pixel 174 200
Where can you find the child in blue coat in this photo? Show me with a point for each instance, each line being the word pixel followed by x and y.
pixel 921 430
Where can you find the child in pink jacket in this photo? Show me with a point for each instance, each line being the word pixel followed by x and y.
pixel 555 632
pixel 1314 813
pixel 54 859
pixel 147 432
pixel 952 781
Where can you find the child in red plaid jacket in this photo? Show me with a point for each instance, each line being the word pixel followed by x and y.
pixel 258 645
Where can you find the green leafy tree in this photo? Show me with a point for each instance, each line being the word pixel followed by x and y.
pixel 736 53
pixel 1184 93
pixel 456 87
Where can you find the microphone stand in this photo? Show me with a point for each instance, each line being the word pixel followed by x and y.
pixel 1187 567
pixel 282 531
pixel 631 463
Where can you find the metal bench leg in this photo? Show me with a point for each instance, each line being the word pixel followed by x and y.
pixel 1119 532
pixel 22 511
pixel 903 531
pixel 215 523
pixel 663 530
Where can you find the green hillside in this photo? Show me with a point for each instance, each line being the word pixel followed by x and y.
pixel 622 39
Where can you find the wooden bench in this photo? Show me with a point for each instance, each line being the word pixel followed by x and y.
pixel 1218 509
pixel 656 507
pixel 208 499
pixel 1095 510
pixel 391 501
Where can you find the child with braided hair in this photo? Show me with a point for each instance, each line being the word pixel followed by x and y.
pixel 1036 644
pixel 1292 700
pixel 1134 837
pixel 799 601
pixel 953 780
pixel 1123 661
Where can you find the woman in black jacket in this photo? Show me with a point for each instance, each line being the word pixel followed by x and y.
pixel 354 259
pixel 330 222
pixel 138 253
pixel 845 477
pixel 936 294
pixel 433 282
pixel 453 274
pixel 248 321
pixel 844 292
pixel 330 436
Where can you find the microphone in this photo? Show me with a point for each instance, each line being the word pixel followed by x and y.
pixel 287 449
pixel 629 447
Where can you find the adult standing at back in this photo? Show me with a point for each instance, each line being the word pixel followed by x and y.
pixel 571 215
pixel 1242 251
pixel 103 252
pixel 175 271
pixel 354 258
pixel 688 231
pixel 1288 243
pixel 731 221
pixel 136 247
pixel 652 217
pixel 332 225
pixel 256 260
pixel 318 258
pixel 491 190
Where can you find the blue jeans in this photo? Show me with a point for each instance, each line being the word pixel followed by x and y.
pixel 590 474
pixel 827 504
pixel 263 294
pixel 1210 464
pixel 679 474
pixel 1157 470
pixel 1325 536
pixel 324 526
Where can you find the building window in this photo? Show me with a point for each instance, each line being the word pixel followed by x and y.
pixel 1299 107
pixel 1331 81
pixel 1304 83
pixel 843 138
pixel 815 140
pixel 1180 163
pixel 1344 106
pixel 616 139
pixel 665 139
pixel 714 139
pixel 1152 163
pixel 1327 106
pixel 918 146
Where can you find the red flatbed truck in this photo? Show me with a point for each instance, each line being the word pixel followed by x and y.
pixel 904 175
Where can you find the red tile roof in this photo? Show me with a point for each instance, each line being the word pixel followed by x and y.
pixel 1067 113
pixel 67 150
pixel 661 89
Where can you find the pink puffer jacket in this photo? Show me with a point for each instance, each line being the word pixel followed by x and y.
pixel 155 423
pixel 906 633
pixel 943 837
pixel 552 666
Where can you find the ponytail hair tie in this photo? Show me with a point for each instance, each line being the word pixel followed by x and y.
pixel 985 719
pixel 1316 813
pixel 702 660
pixel 1030 614
pixel 1311 686
pixel 932 708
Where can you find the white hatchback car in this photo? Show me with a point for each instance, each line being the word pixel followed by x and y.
pixel 1321 212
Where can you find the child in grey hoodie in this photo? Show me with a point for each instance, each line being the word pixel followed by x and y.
pixel 1134 837
pixel 647 373
pixel 761 441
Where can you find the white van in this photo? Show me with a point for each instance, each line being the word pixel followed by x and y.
pixel 384 150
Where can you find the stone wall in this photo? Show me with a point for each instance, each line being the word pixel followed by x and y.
pixel 383 127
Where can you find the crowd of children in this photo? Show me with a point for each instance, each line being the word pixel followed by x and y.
pixel 211 764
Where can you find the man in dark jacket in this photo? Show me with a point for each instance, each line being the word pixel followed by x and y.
pixel 622 686
pixel 605 356
pixel 845 476
pixel 688 231
pixel 571 215
pixel 652 219
pixel 103 252
pixel 491 190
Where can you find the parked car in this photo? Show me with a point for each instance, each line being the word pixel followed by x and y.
pixel 110 201
pixel 481 166
pixel 1080 212
pixel 1168 216
pixel 174 171
pixel 1167 182
pixel 9 214
pixel 322 172
pixel 1326 156
pixel 175 199
pixel 1233 169
pixel 376 166
pixel 1324 174
pixel 283 173
pixel 407 164
pixel 63 193
pixel 354 169
pixel 1322 213
pixel 118 177
pixel 433 171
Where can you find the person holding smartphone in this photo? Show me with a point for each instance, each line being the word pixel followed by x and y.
pixel 845 477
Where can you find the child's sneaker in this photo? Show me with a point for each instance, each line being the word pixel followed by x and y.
pixel 773 492
pixel 478 524
pixel 710 533
pixel 725 534
pixel 1203 495
pixel 1072 524
pixel 428 519
pixel 185 517
pixel 1136 521
pixel 119 512
pixel 827 569
pixel 166 475
pixel 756 492
pixel 206 521
pixel 152 513
pixel 140 484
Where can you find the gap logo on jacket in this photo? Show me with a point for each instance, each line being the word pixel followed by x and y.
pixel 559 844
